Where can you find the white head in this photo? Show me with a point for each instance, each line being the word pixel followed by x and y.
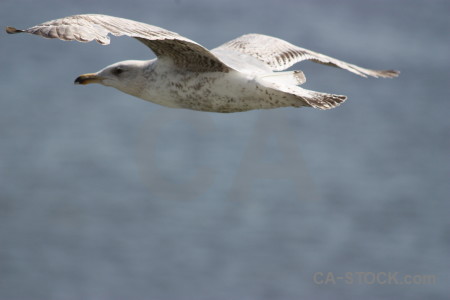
pixel 126 76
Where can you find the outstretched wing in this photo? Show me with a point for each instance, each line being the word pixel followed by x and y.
pixel 186 54
pixel 280 55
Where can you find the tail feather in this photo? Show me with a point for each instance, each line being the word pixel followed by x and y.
pixel 312 98
pixel 284 85
pixel 323 100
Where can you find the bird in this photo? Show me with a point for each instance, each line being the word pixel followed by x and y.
pixel 243 74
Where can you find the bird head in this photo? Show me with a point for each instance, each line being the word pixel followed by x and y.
pixel 125 76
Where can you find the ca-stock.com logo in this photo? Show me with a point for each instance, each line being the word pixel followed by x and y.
pixel 373 278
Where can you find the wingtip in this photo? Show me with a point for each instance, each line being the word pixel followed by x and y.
pixel 391 73
pixel 395 73
pixel 12 30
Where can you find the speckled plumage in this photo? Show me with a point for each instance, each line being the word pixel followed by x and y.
pixel 237 76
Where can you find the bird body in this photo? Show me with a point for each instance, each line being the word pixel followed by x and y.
pixel 163 83
pixel 240 75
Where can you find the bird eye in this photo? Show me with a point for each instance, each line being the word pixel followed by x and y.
pixel 118 70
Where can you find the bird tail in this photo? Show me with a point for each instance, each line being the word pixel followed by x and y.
pixel 278 84
pixel 323 100
pixel 312 98
pixel 284 86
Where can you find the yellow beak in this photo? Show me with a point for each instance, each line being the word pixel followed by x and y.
pixel 88 78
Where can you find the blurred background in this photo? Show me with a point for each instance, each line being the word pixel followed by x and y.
pixel 105 196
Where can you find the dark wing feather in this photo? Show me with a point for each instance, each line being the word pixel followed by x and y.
pixel 280 55
pixel 185 53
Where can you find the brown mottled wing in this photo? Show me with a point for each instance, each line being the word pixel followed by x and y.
pixel 280 55
pixel 186 54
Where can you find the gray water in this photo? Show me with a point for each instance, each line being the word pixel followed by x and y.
pixel 104 196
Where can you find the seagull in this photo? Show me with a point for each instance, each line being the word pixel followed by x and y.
pixel 243 74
